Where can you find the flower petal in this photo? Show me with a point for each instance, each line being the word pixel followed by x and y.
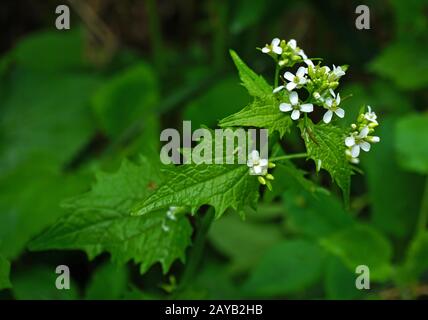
pixel 290 86
pixel 277 50
pixel 285 107
pixel 265 50
pixel 292 44
pixel 301 72
pixel 365 146
pixel 349 141
pixel 329 102
pixel 254 155
pixel 250 163
pixel 340 112
pixel 307 107
pixel 257 169
pixel 338 99
pixel 289 76
pixel 263 162
pixel 327 116
pixel 295 114
pixel 355 151
pixel 278 89
pixel 294 98
pixel 275 42
pixel 364 132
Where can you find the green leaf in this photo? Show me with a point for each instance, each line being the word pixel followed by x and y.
pixel 51 51
pixel 339 281
pixel 108 282
pixel 221 186
pixel 325 145
pixel 412 71
pixel 288 267
pixel 4 273
pixel 100 221
pixel 242 241
pixel 416 262
pixel 411 142
pixel 314 215
pixel 362 245
pixel 394 195
pixel 224 98
pixel 261 114
pixel 255 84
pixel 38 283
pixel 126 97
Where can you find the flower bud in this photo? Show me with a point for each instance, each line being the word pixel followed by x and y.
pixel 261 180
pixel 270 177
pixel 271 165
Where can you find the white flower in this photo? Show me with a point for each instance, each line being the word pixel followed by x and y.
pixel 296 81
pixel 170 214
pixel 257 166
pixel 295 106
pixel 370 115
pixel 350 157
pixel 292 44
pixel 274 47
pixel 357 141
pixel 338 71
pixel 308 62
pixel 332 106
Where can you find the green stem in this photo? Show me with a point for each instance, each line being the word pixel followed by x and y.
pixel 196 254
pixel 155 34
pixel 289 156
pixel 423 213
pixel 276 74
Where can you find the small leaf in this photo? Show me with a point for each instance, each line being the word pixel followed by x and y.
pixel 255 84
pixel 325 145
pixel 100 221
pixel 288 267
pixel 221 186
pixel 362 245
pixel 412 143
pixel 261 114
pixel 4 273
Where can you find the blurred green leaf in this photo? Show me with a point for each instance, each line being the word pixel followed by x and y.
pixel 325 145
pixel 255 84
pixel 45 117
pixel 242 241
pixel 394 195
pixel 261 114
pixel 38 283
pixel 125 98
pixel 403 62
pixel 108 282
pixel 4 273
pixel 362 245
pixel 412 142
pixel 340 281
pixel 286 268
pixel 410 16
pixel 224 98
pixel 248 13
pixel 416 262
pixel 314 215
pixel 101 221
pixel 51 51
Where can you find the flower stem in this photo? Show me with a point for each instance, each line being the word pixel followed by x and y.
pixel 289 156
pixel 276 74
pixel 423 213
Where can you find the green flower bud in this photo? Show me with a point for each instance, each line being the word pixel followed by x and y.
pixel 261 180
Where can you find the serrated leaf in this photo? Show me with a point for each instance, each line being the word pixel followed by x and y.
pixel 100 221
pixel 221 186
pixel 255 84
pixel 411 142
pixel 4 273
pixel 261 114
pixel 362 245
pixel 325 145
pixel 288 267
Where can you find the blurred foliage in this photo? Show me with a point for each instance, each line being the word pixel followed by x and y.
pixel 72 105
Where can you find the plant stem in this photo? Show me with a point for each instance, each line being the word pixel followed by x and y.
pixel 289 156
pixel 423 213
pixel 276 75
pixel 197 251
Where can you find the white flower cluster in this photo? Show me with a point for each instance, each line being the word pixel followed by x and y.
pixel 259 167
pixel 319 81
pixel 359 139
